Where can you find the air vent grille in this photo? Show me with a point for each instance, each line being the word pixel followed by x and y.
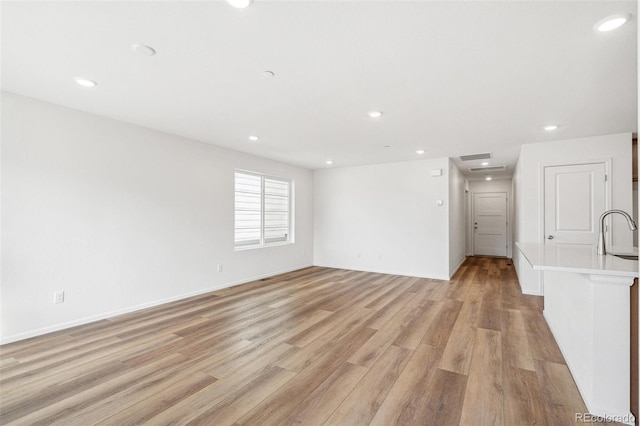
pixel 483 156
pixel 487 169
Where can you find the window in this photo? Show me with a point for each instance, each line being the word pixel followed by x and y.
pixel 262 210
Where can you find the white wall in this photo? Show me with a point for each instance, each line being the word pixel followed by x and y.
pixel 457 216
pixel 528 192
pixel 496 185
pixel 634 198
pixel 121 217
pixel 383 218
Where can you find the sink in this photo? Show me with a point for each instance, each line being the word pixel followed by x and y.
pixel 626 256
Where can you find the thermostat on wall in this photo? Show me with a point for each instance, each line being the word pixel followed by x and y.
pixel 436 172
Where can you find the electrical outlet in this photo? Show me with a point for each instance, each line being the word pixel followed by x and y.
pixel 219 267
pixel 58 297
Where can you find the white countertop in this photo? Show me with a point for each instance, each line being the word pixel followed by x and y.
pixel 579 258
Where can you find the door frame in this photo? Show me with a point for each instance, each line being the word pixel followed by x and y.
pixel 541 174
pixel 473 214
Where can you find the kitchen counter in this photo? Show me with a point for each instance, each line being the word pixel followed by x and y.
pixel 579 258
pixel 587 308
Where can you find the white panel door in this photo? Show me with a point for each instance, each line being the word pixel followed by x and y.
pixel 490 224
pixel 574 199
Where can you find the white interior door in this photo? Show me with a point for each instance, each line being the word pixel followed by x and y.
pixel 574 199
pixel 490 224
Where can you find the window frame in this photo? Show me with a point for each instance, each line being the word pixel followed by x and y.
pixel 290 211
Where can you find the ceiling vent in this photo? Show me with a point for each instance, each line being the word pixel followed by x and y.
pixel 487 169
pixel 483 156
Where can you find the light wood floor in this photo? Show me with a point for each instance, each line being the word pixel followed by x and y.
pixel 315 346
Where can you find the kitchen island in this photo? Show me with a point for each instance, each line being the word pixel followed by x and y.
pixel 587 307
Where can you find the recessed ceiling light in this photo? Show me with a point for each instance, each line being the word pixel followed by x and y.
pixel 240 4
pixel 375 114
pixel 85 82
pixel 487 178
pixel 550 127
pixel 143 49
pixel 484 163
pixel 420 151
pixel 612 22
pixel 253 138
pixel 329 162
pixel 268 73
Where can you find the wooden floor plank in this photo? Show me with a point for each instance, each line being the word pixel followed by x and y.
pixel 42 377
pixel 558 387
pixel 308 347
pixel 362 403
pixel 323 401
pixel 523 400
pixel 21 406
pixel 114 412
pixel 491 310
pixel 369 353
pixel 314 351
pixel 276 409
pixel 441 403
pixel 380 318
pixel 438 334
pixel 458 351
pixel 484 398
pixel 515 344
pixel 235 400
pixel 541 342
pixel 403 402
pixel 411 335
pixel 60 410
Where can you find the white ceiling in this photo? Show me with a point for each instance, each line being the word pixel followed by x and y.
pixel 452 78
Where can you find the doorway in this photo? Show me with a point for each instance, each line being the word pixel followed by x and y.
pixel 490 213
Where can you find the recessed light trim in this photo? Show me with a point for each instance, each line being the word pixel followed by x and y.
pixel 143 49
pixel 240 4
pixel 375 114
pixel 329 162
pixel 420 151
pixel 484 163
pixel 550 127
pixel 612 22
pixel 268 73
pixel 254 138
pixel 85 82
pixel 487 178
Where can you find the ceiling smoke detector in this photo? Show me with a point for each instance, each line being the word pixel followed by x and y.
pixel 143 49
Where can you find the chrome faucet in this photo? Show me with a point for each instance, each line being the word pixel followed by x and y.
pixel 602 250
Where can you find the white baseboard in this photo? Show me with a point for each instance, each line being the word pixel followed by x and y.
pixel 111 314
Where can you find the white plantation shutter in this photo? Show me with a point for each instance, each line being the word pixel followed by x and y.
pixel 262 210
pixel 248 210
pixel 276 210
